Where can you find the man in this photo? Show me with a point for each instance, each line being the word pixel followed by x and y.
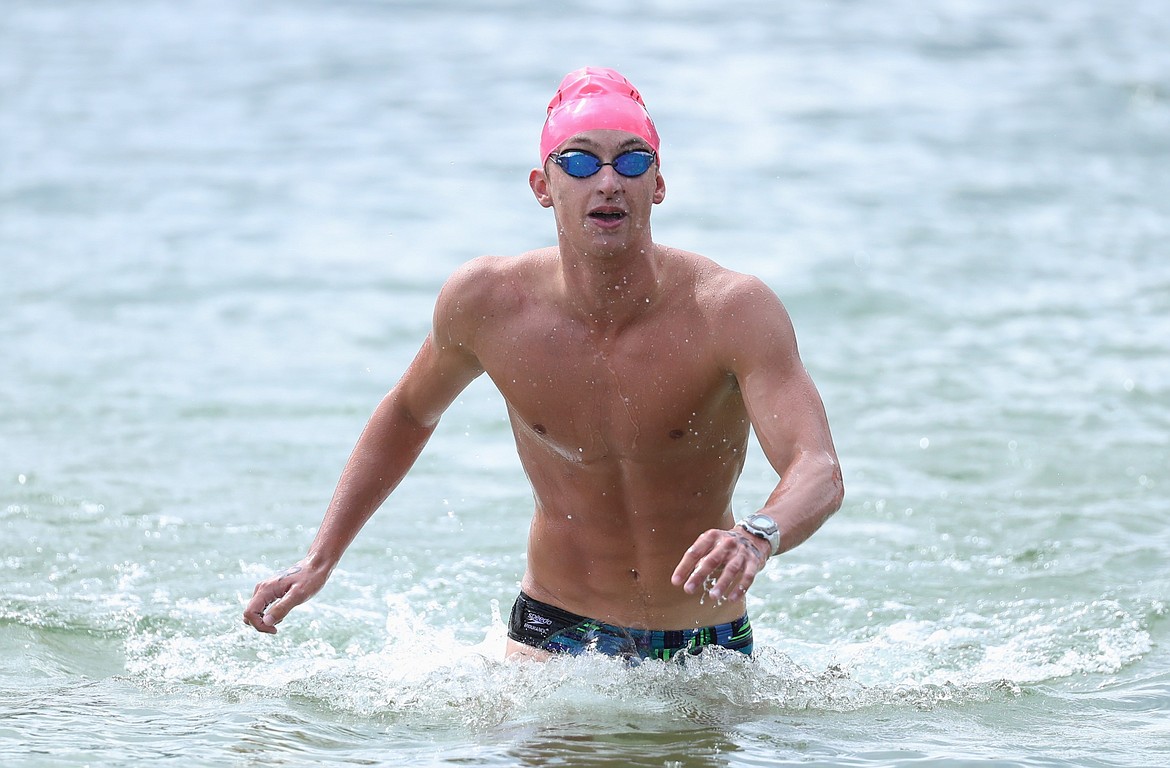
pixel 632 374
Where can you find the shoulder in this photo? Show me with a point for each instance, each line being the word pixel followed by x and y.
pixel 727 297
pixel 484 288
pixel 745 317
pixel 489 276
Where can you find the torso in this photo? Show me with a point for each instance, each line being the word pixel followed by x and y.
pixel 632 439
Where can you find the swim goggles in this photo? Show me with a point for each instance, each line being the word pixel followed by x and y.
pixel 581 164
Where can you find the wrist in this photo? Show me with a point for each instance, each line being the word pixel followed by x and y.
pixel 319 561
pixel 763 528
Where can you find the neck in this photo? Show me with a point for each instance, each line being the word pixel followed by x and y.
pixel 607 292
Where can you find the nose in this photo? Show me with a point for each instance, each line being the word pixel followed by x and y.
pixel 608 179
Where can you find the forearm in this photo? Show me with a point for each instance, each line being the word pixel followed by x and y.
pixel 810 491
pixel 385 452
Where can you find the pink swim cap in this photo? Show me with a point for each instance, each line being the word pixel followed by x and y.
pixel 594 98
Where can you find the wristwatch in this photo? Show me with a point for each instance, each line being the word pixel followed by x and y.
pixel 764 527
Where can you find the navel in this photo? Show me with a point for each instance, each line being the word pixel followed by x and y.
pixel 676 434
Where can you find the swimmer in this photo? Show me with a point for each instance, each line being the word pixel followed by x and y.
pixel 633 374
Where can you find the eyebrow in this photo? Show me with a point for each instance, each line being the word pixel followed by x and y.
pixel 633 141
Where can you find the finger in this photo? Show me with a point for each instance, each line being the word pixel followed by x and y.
pixel 254 616
pixel 740 572
pixel 278 610
pixel 690 559
pixel 257 622
pixel 697 563
pixel 265 594
pixel 734 565
pixel 712 563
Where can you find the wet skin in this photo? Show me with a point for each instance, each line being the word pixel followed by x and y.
pixel 632 374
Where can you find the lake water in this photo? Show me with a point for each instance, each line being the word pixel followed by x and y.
pixel 222 227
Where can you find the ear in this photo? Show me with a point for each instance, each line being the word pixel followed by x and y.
pixel 659 188
pixel 539 183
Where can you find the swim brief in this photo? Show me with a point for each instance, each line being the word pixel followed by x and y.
pixel 556 630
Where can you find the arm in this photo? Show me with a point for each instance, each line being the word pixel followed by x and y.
pixel 388 447
pixel 789 420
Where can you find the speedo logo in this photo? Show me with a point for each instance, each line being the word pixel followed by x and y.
pixel 535 621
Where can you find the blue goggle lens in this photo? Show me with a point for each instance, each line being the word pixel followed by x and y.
pixel 581 165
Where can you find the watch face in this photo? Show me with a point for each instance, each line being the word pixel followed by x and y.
pixel 763 523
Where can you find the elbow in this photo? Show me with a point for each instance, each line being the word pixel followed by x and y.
pixel 834 486
pixel 838 490
pixel 400 409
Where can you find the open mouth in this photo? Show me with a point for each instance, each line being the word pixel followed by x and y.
pixel 607 216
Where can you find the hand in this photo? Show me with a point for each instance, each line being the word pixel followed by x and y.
pixel 274 597
pixel 732 558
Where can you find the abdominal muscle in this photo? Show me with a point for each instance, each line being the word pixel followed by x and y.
pixel 607 536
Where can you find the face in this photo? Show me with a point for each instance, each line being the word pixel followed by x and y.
pixel 606 210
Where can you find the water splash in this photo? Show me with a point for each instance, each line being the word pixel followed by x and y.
pixel 420 674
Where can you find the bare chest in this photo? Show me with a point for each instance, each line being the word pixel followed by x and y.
pixel 643 394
